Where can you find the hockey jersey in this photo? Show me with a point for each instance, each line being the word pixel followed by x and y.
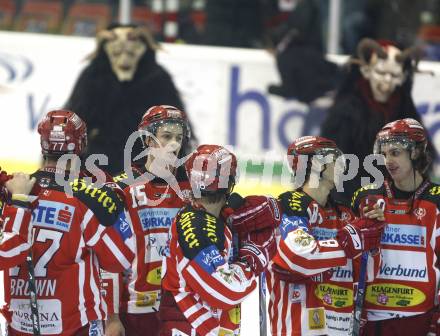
pixel 73 235
pixel 199 273
pixel 152 206
pixel 407 281
pixel 15 240
pixel 113 283
pixel 321 300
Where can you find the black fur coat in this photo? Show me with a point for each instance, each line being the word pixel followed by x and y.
pixel 355 118
pixel 113 109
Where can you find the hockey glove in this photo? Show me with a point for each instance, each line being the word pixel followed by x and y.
pixel 359 236
pixel 257 256
pixel 258 212
pixel 370 203
pixel 264 237
pixel 234 202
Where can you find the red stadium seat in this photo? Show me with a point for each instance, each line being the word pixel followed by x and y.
pixel 143 16
pixel 7 12
pixel 85 19
pixel 40 16
pixel 430 33
pixel 198 18
pixel 430 36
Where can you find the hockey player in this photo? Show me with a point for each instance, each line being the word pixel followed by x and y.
pixel 311 279
pixel 57 291
pixel 15 220
pixel 159 143
pixel 152 204
pixel 204 282
pixel 402 299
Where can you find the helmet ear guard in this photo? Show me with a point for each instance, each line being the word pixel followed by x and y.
pixel 414 154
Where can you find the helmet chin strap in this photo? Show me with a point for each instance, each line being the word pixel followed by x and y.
pixel 412 157
pixel 414 180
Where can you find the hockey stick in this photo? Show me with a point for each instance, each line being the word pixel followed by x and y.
pixel 357 321
pixel 33 296
pixel 234 202
pixel 262 303
pixel 360 295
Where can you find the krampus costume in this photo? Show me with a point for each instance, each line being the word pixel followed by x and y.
pixel 376 90
pixel 121 82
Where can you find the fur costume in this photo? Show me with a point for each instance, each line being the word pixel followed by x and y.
pixel 355 117
pixel 112 108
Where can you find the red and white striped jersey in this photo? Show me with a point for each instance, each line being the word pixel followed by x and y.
pixel 314 305
pixel 152 207
pixel 408 278
pixel 113 283
pixel 73 236
pixel 15 241
pixel 199 273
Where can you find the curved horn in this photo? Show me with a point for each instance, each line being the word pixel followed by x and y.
pixel 104 35
pixel 148 37
pixel 101 36
pixel 414 53
pixel 369 45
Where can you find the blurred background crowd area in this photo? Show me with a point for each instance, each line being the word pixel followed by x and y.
pixel 239 23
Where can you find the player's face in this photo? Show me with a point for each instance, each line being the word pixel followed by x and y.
pixel 170 137
pixel 334 169
pixel 328 175
pixel 164 148
pixel 397 162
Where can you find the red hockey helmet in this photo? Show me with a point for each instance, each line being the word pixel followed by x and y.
pixel 61 132
pixel 212 168
pixel 161 114
pixel 310 145
pixel 407 132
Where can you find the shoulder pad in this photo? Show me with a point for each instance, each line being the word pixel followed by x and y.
pixel 122 178
pixel 294 203
pixel 197 229
pixel 105 203
pixel 369 189
pixel 432 194
pixel 44 180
